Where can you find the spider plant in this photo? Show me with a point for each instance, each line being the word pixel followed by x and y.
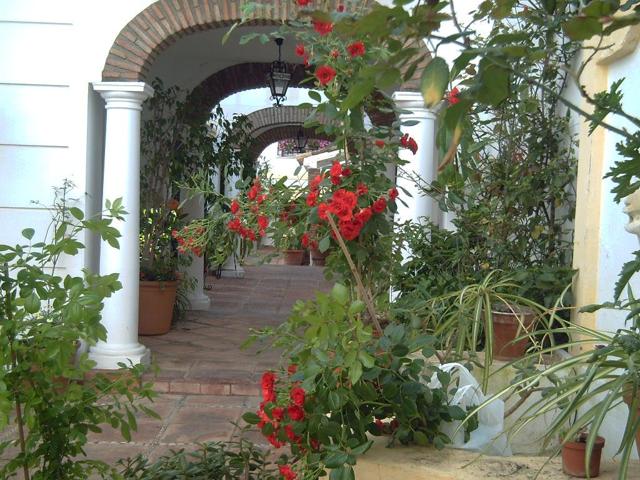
pixel 584 387
pixel 463 319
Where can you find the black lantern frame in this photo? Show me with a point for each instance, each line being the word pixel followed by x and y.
pixel 301 141
pixel 279 77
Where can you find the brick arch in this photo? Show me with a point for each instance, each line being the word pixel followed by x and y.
pixel 282 132
pixel 272 117
pixel 164 22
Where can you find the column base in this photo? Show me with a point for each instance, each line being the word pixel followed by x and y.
pixel 238 272
pixel 107 357
pixel 199 301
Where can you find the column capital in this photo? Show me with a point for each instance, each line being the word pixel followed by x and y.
pixel 414 102
pixel 126 95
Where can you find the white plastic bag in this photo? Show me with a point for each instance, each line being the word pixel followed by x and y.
pixel 489 437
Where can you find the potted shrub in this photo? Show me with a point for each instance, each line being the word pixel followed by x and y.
pixel 574 456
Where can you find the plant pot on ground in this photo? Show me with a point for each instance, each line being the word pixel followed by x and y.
pixel 511 322
pixel 293 256
pixel 155 311
pixel 574 457
pixel 318 258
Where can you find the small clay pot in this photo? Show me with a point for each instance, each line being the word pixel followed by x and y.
pixel 506 328
pixel 155 310
pixel 573 458
pixel 318 258
pixel 293 257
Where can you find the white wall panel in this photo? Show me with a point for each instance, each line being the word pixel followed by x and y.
pixel 37 10
pixel 35 115
pixel 35 53
pixel 29 173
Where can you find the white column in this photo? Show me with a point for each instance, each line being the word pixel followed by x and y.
pixel 122 180
pixel 422 163
pixel 198 300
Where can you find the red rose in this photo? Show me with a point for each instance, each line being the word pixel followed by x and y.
pixel 263 222
pixel 277 413
pixel 356 49
pixel 234 225
pixel 312 198
pixel 323 208
pixel 273 440
pixel 291 435
pixel 346 172
pixel 379 205
pixel 235 207
pixel 300 51
pixel 305 240
pixel 379 143
pixel 342 204
pixel 325 74
pixel 297 396
pixel 286 472
pixel 362 189
pixel 453 96
pixel 268 379
pixel 393 193
pixel 336 169
pixel 303 3
pixel 323 28
pixel 364 215
pixel 315 183
pixel 350 229
pixel 296 413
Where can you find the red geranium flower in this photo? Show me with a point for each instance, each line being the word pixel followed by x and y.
pixel 380 143
pixel 362 189
pixel 296 413
pixel 323 28
pixel 300 51
pixel 356 49
pixel 297 396
pixel 286 472
pixel 453 96
pixel 325 74
pixel 379 205
pixel 393 193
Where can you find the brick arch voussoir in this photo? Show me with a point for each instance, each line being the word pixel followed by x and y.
pixel 166 21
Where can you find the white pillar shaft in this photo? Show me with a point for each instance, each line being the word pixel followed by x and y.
pixel 198 300
pixel 422 163
pixel 122 180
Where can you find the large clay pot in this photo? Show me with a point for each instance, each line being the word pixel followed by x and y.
pixel 507 326
pixel 573 458
pixel 628 399
pixel 318 258
pixel 293 257
pixel 156 307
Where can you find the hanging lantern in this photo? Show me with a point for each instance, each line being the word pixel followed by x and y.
pixel 301 141
pixel 278 77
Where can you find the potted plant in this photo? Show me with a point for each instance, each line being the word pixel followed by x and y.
pixel 574 454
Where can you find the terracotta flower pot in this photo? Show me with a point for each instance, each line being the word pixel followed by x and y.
pixel 318 258
pixel 293 257
pixel 506 328
pixel 573 458
pixel 156 307
pixel 628 399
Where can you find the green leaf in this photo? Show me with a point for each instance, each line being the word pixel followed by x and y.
pixel 582 28
pixel 343 473
pixel 494 83
pixel 359 91
pixel 32 303
pixel 420 438
pixel 324 244
pixel 251 418
pixel 315 96
pixel 361 449
pixel 435 78
pixel 28 233
pixel 355 372
pixel 77 213
pixel 336 460
pixel 356 307
pixel 340 293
